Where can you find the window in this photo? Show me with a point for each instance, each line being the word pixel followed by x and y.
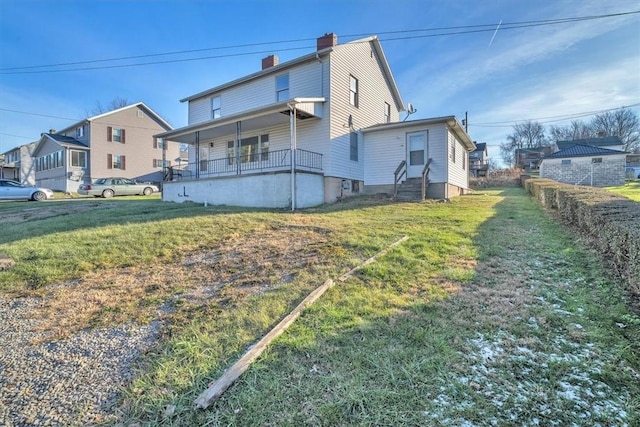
pixel 215 107
pixel 252 149
pixel 50 161
pixel 80 132
pixel 115 135
pixel 566 162
pixel 353 146
pixel 158 163
pixel 387 113
pixel 115 162
pixel 78 158
pixel 453 150
pixel 158 143
pixel 596 160
pixel 282 87
pixel 353 91
pixel 464 161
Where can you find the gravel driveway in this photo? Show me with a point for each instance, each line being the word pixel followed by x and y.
pixel 74 381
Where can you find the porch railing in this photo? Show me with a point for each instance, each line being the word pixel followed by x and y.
pixel 400 171
pixel 251 163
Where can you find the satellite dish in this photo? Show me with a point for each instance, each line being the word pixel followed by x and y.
pixel 410 110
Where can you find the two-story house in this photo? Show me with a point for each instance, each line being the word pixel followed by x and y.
pixel 118 143
pixel 17 164
pixel 478 160
pixel 313 130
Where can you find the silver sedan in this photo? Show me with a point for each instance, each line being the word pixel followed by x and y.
pixel 13 190
pixel 109 187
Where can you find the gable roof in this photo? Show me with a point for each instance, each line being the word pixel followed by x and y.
pixel 607 141
pixel 579 150
pixel 481 146
pixel 311 57
pixel 142 105
pixel 63 141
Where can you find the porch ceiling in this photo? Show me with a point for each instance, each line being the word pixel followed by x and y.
pixel 252 120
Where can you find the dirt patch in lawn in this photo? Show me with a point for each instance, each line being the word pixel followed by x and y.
pixel 240 266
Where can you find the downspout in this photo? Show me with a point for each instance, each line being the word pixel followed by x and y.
pixel 292 128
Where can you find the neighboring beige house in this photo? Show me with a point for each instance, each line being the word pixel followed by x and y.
pixel 17 164
pixel 313 130
pixel 585 165
pixel 118 143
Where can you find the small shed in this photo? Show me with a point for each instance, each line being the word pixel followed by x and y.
pixel 585 165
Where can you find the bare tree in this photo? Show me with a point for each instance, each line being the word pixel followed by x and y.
pixel 525 135
pixel 622 123
pixel 576 130
pixel 114 104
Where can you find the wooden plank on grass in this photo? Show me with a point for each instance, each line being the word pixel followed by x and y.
pixel 218 387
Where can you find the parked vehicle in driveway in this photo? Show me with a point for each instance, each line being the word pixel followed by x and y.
pixel 109 187
pixel 13 190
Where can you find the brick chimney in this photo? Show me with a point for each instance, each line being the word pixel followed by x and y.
pixel 328 40
pixel 270 61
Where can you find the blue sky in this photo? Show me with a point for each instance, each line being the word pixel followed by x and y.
pixel 539 72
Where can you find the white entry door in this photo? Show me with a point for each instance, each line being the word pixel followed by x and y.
pixel 417 153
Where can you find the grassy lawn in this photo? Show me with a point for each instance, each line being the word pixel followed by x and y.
pixel 630 189
pixel 490 314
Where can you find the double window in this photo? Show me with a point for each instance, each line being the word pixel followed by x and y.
pixel 79 158
pixel 115 134
pixel 252 149
pixel 215 107
pixel 353 91
pixel 158 163
pixel 50 161
pixel 282 87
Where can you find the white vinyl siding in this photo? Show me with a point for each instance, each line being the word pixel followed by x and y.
pixel 458 175
pixel 305 81
pixel 358 60
pixel 385 149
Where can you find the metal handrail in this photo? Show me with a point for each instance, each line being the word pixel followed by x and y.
pixel 425 178
pixel 402 167
pixel 256 162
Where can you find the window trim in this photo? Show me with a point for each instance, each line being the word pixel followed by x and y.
pixel 353 146
pixel 216 108
pixel 354 93
pixel 387 112
pixel 282 93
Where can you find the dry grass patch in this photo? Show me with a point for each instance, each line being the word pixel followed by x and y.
pixel 239 267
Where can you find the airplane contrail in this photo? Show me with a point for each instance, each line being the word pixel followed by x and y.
pixel 495 32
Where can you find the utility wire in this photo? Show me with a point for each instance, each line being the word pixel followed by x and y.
pixel 469 29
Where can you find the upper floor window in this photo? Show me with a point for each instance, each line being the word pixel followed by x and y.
pixel 282 87
pixel 158 143
pixel 353 91
pixel 387 112
pixel 115 134
pixel 215 107
pixel 80 132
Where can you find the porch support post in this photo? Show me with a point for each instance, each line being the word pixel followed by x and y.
pixel 292 127
pixel 236 151
pixel 197 154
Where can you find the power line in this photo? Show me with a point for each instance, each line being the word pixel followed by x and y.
pixel 469 29
pixel 551 119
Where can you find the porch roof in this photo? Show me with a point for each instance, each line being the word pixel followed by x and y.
pixel 254 119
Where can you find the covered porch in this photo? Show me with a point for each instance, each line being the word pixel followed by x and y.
pixel 235 160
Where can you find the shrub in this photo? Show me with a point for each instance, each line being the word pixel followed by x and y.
pixel 609 221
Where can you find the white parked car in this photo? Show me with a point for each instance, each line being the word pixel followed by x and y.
pixel 13 190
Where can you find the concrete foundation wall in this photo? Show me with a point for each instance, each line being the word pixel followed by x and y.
pixel 260 191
